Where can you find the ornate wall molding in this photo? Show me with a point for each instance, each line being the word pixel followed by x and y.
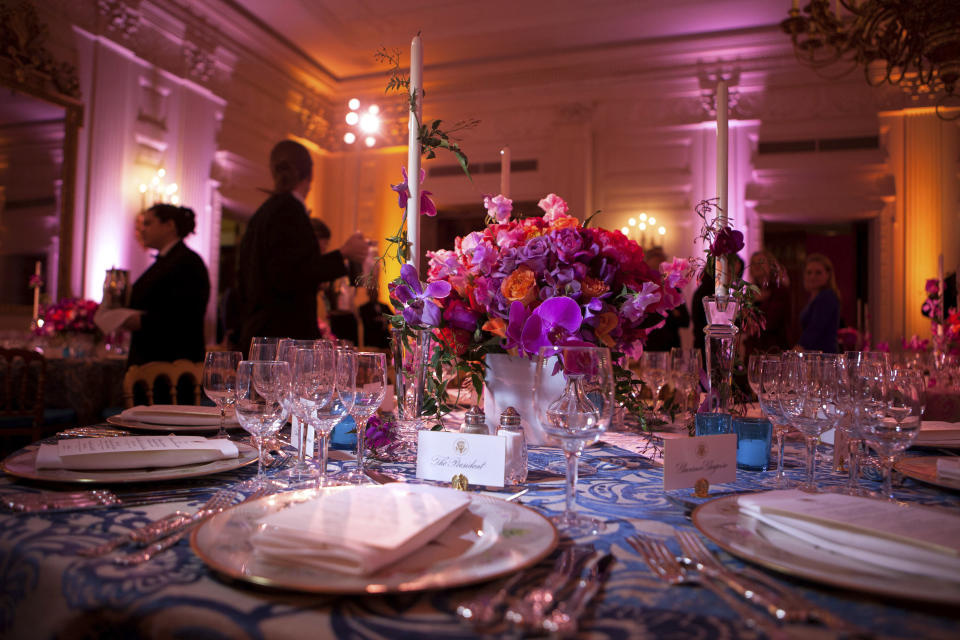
pixel 122 17
pixel 24 58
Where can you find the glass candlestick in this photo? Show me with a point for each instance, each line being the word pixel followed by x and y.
pixel 720 346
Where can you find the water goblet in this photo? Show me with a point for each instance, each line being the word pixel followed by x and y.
pixel 263 348
pixel 753 373
pixel 371 384
pixel 259 408
pixel 311 381
pixel 768 389
pixel 220 381
pixel 300 436
pixel 890 438
pixel 655 367
pixel 325 409
pixel 576 416
pixel 803 396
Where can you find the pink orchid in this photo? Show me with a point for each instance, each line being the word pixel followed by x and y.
pixel 427 207
pixel 676 273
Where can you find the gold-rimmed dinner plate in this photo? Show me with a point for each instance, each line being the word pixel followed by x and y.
pixel 743 536
pixel 117 421
pixel 492 538
pixel 22 464
pixel 924 469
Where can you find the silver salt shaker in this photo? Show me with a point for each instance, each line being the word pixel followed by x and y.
pixel 512 430
pixel 474 421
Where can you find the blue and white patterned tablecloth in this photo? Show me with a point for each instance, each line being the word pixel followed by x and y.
pixel 48 591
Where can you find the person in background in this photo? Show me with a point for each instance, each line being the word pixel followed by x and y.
pixel 281 265
pixel 706 288
pixel 172 293
pixel 667 336
pixel 335 300
pixel 820 319
pixel 773 302
pixel 373 315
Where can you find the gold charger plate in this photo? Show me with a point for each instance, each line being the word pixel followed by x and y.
pixel 492 538
pixel 739 534
pixel 925 470
pixel 117 421
pixel 22 464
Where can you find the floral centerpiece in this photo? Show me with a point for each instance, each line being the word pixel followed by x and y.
pixel 69 321
pixel 526 282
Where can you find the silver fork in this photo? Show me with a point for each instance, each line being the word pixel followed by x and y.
pixel 565 619
pixel 483 609
pixel 665 566
pixel 530 611
pixel 217 503
pixel 787 603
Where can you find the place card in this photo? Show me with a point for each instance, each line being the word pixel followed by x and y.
pixel 687 460
pixel 443 454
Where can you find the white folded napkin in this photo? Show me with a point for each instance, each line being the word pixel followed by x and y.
pixel 179 415
pixel 358 530
pixel 934 433
pixel 948 468
pixel 909 539
pixel 109 320
pixel 133 452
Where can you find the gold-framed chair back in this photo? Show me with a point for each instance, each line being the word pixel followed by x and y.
pixel 22 380
pixel 145 376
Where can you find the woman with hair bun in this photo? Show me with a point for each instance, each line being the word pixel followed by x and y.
pixel 172 294
pixel 281 266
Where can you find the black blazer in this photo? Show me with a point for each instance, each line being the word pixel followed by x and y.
pixel 173 293
pixel 280 269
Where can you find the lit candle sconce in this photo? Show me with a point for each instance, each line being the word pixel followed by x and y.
pixel 158 191
pixel 637 229
pixel 367 123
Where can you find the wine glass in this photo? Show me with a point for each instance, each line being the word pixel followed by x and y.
pixel 803 396
pixel 330 399
pixel 753 372
pixel 311 382
pixel 577 415
pixel 220 381
pixel 263 348
pixel 259 406
pixel 767 394
pixel 685 365
pixel 300 438
pixel 655 366
pixel 370 388
pixel 890 437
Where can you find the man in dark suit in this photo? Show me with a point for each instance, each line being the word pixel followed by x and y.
pixel 280 261
pixel 172 293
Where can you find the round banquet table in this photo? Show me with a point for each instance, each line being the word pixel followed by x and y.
pixel 86 385
pixel 49 591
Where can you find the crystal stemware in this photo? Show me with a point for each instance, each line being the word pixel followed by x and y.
pixel 259 405
pixel 263 348
pixel 753 372
pixel 371 384
pixel 767 393
pixel 300 436
pixel 220 381
pixel 685 364
pixel 655 368
pixel 331 400
pixel 576 416
pixel 311 381
pixel 890 437
pixel 804 395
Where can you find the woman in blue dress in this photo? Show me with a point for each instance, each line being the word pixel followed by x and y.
pixel 820 319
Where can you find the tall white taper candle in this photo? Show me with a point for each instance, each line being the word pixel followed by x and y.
pixel 505 159
pixel 36 292
pixel 413 151
pixel 943 295
pixel 722 159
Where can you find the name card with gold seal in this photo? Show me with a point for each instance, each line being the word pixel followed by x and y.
pixel 699 462
pixel 479 458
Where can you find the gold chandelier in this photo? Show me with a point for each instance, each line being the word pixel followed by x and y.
pixel 913 44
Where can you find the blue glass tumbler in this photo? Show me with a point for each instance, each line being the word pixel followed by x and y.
pixel 753 443
pixel 712 424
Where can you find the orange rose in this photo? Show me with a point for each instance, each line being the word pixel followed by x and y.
pixel 593 288
pixel 521 285
pixel 496 326
pixel 606 322
pixel 565 222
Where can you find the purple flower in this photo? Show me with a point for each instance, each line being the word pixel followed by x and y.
pixel 553 322
pixel 418 305
pixel 636 305
pixel 427 207
pixel 933 287
pixel 498 207
pixel 568 243
pixel 380 433
pixel 536 253
pixel 517 318
pixel 727 241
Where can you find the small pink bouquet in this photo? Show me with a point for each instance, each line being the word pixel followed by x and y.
pixel 69 315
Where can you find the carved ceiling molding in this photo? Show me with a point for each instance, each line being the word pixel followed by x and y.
pixel 24 58
pixel 122 17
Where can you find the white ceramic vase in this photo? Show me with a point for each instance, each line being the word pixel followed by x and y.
pixel 509 383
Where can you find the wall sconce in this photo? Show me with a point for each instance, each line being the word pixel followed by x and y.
pixel 365 123
pixel 158 191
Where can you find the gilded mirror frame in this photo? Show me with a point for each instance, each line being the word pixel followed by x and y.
pixel 27 67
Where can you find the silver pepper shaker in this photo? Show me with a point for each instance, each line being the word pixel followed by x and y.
pixel 475 422
pixel 512 430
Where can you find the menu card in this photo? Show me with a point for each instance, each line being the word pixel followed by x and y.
pixel 905 538
pixel 133 452
pixel 358 530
